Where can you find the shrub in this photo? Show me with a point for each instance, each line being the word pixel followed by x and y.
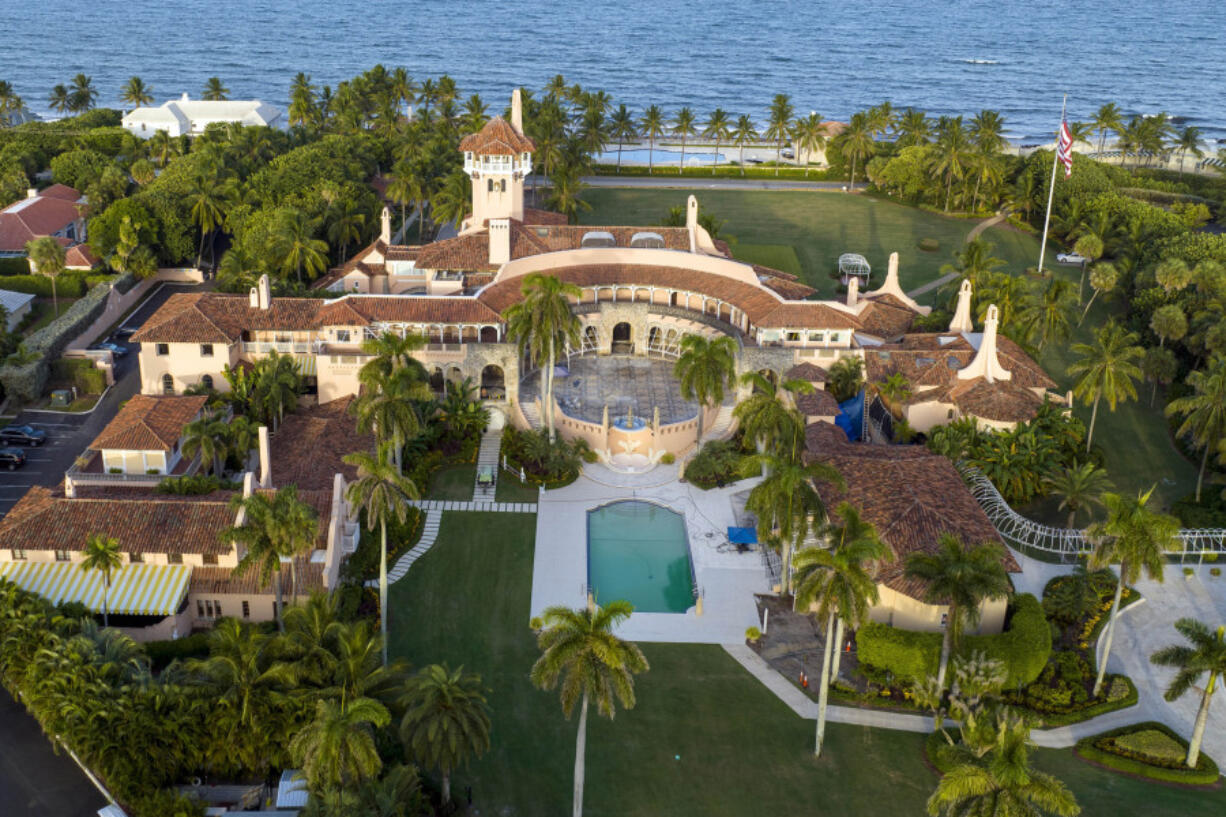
pixel 1215 571
pixel 753 634
pixel 161 653
pixel 1187 571
pixel 544 462
pixel 363 564
pixel 67 285
pixel 80 373
pixel 1150 750
pixel 1024 648
pixel 668 458
pixel 929 244
pixel 715 465
pixel 196 485
pixel 14 266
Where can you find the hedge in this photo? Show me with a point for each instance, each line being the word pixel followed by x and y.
pixel 15 266
pixel 725 171
pixel 162 653
pixel 1053 719
pixel 1024 647
pixel 79 372
pixel 67 285
pixel 1205 774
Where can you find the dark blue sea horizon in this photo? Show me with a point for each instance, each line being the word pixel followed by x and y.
pixel 943 56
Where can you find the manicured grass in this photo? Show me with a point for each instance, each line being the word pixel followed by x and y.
pixel 818 226
pixel 706 737
pixel 453 482
pixel 776 256
pixel 510 489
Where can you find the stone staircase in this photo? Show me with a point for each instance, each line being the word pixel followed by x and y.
pixel 722 425
pixel 528 407
pixel 428 534
pixel 487 455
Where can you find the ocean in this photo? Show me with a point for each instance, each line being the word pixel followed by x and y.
pixel 942 56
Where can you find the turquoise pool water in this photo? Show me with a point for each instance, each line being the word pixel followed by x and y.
pixel 638 551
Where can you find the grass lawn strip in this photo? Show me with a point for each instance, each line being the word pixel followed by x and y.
pixel 706 737
pixel 453 482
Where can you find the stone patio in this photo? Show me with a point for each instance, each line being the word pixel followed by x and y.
pixel 621 382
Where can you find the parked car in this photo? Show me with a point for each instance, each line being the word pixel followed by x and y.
pixel 22 435
pixel 113 348
pixel 12 458
pixel 125 332
pixel 1071 258
pixel 788 153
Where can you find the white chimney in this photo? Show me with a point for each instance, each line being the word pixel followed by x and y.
pixel 500 240
pixel 31 193
pixel 517 111
pixel 962 314
pixel 985 363
pixel 248 484
pixel 184 98
pixel 691 221
pixel 385 233
pixel 853 290
pixel 264 290
pixel 265 459
pixel 253 298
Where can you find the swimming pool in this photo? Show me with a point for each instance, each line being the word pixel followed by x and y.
pixel 637 551
pixel 670 157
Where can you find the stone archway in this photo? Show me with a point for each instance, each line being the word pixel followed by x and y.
pixel 493 383
pixel 623 338
pixel 436 380
pixel 489 334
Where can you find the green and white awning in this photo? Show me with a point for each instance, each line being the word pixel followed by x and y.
pixel 306 365
pixel 147 590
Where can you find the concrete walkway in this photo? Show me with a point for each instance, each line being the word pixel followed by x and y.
pixel 975 232
pixel 455 505
pixel 487 456
pixel 428 534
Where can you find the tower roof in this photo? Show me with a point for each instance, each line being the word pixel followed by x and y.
pixel 497 138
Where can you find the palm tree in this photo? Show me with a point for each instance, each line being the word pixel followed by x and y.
pixel 1204 411
pixel 10 103
pixel 953 150
pixel 579 649
pixel 1048 312
pixel 82 94
pixel 384 409
pixel 1207 654
pixel 346 226
pixel 209 198
pixel 1103 278
pixel 1002 784
pixel 962 576
pixel 974 262
pixel 764 417
pixel 450 201
pixel 446 720
pixel 779 125
pixel 719 128
pixel 59 99
pixel 705 368
pixel 1168 322
pixel 542 324
pixel 383 493
pixel 1137 539
pixel 47 258
pixel 652 126
pixel 684 127
pixel 566 188
pixel 296 243
pixel 622 128
pixel 1159 366
pixel 273 530
pixel 1079 486
pixel 208 436
pixel 895 391
pixel 837 583
pixel 1173 275
pixel 337 749
pixel 136 93
pixel 1106 368
pixel 1107 118
pixel 1188 140
pixel 809 136
pixel 914 128
pixel 214 90
pixel 742 133
pixel 846 377
pixel 102 554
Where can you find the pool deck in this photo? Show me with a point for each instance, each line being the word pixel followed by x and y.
pixel 728 580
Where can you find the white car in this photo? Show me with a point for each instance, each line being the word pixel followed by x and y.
pixel 1070 258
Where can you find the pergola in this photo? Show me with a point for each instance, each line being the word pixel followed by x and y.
pixel 850 264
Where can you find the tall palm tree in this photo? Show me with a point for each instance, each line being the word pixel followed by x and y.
pixel 1188 141
pixel 1048 312
pixel 962 576
pixel 390 353
pixel 914 128
pixel 47 258
pixel 856 141
pixel 719 128
pixel 1106 368
pixel 10 103
pixel 743 133
pixel 297 245
pixel 59 99
pixel 302 104
pixel 622 128
pixel 809 136
pixel 383 493
pixel 779 125
pixel 953 150
pixel 565 193
pixel 449 203
pixel 1002 784
pixel 1159 366
pixel 1168 322
pixel 210 197
pixel 276 386
pixel 579 649
pixel 1137 539
pixel 136 92
pixel 384 410
pixel 652 126
pixel 705 368
pixel 215 90
pixel 1207 654
pixel 836 583
pixel 337 748
pixel 684 126
pixel 1103 278
pixel 446 720
pixel 208 436
pixel 543 325
pixel 82 94
pixel 1108 118
pixel 1204 411
pixel 346 226
pixel 102 554
pixel 1079 487
pixel 765 417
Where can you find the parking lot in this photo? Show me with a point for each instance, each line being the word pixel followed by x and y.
pixel 69 434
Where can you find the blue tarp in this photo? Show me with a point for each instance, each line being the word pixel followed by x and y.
pixel 742 536
pixel 851 416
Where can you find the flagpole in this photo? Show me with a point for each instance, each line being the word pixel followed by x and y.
pixel 1051 187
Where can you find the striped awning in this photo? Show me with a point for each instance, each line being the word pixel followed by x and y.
pixel 306 365
pixel 147 590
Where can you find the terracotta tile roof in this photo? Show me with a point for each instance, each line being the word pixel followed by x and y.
pixel 148 423
pixel 767 271
pixel 910 495
pixel 309 448
pixel 30 218
pixel 211 317
pixel 44 519
pixel 819 403
pixel 464 252
pixel 807 371
pixel 61 191
pixel 406 309
pixel 886 316
pixel 808 314
pixel 80 256
pixel 792 290
pixel 223 580
pixel 534 216
pixel 497 138
pixel 401 252
pixel 1005 401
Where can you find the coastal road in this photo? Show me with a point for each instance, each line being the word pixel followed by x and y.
pixel 666 182
pixel 34 780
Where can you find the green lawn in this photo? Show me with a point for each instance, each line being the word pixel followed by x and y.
pixel 510 489
pixel 817 226
pixel 453 482
pixel 706 737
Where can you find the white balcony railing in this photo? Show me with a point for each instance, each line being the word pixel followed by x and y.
pixel 282 347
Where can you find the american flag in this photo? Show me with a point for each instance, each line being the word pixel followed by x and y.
pixel 1064 150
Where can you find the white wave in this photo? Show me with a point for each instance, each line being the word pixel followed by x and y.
pixel 972 61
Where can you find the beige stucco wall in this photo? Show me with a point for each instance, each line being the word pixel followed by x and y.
pixel 185 364
pixel 925 416
pixel 134 462
pixel 899 610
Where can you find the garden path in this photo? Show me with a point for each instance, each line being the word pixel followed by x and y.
pixel 487 457
pixel 971 236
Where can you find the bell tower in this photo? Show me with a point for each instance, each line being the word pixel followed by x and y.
pixel 497 158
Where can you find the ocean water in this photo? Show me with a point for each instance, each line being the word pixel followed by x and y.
pixel 943 56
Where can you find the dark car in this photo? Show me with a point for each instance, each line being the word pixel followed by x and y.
pixel 114 348
pixel 22 435
pixel 12 458
pixel 125 332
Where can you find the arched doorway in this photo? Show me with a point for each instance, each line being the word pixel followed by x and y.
pixel 493 383
pixel 623 343
pixel 436 380
pixel 489 334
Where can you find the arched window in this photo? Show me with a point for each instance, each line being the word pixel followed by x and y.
pixel 207 381
pixel 168 384
pixel 489 185
pixel 502 186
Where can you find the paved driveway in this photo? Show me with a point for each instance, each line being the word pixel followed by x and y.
pixel 69 434
pixel 34 780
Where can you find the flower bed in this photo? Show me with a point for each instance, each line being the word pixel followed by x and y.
pixel 1151 750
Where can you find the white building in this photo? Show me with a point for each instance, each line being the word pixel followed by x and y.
pixel 189 117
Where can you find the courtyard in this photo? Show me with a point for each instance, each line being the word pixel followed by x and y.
pixel 587 385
